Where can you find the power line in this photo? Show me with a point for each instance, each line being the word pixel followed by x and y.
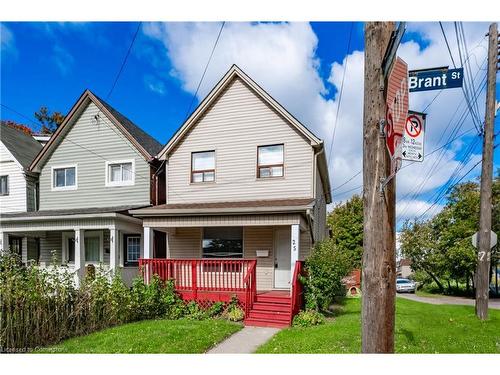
pixel 124 60
pixel 205 70
pixel 340 93
pixel 447 44
pixel 23 116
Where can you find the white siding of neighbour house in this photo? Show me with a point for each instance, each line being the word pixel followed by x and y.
pixel 107 143
pixel 234 126
pixel 15 201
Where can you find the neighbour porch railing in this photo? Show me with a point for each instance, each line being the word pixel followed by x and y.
pixel 206 279
pixel 297 288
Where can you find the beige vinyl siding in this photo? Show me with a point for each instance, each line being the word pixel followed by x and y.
pixel 305 245
pixel 107 143
pixel 185 243
pixel 320 227
pixel 15 201
pixel 261 238
pixel 229 220
pixel 234 126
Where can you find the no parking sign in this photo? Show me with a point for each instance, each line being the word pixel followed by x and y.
pixel 413 138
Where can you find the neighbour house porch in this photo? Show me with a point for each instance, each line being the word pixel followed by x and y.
pixel 213 255
pixel 107 238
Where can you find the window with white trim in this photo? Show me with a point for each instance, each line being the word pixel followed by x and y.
pixel 270 161
pixel 203 166
pixel 64 177
pixel 4 185
pixel 132 244
pixel 120 173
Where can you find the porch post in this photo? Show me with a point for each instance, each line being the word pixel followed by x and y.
pixel 148 247
pixel 79 253
pixel 4 244
pixel 294 242
pixel 114 236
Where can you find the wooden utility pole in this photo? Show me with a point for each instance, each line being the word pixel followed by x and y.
pixel 379 248
pixel 484 236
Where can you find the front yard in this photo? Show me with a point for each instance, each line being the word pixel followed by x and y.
pixel 152 336
pixel 420 328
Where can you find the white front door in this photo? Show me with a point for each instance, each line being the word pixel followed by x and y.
pixel 282 259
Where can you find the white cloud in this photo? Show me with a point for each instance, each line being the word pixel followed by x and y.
pixel 282 58
pixel 8 42
pixel 417 208
pixel 155 85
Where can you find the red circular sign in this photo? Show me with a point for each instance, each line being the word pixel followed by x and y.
pixel 413 126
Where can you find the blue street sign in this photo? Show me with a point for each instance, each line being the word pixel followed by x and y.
pixel 435 79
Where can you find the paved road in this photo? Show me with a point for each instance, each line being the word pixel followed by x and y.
pixel 448 300
pixel 245 341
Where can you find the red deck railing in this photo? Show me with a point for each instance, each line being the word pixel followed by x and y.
pixel 297 288
pixel 206 279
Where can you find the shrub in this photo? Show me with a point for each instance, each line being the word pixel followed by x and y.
pixel 325 267
pixel 216 309
pixel 233 311
pixel 308 318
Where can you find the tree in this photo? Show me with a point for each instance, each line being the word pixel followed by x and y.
pixel 12 124
pixel 346 224
pixel 49 121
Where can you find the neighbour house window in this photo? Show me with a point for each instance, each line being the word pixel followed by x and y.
pixel 4 185
pixel 64 177
pixel 203 166
pixel 270 161
pixel 132 245
pixel 120 173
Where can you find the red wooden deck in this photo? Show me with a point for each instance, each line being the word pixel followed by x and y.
pixel 218 280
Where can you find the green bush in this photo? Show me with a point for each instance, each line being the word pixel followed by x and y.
pixel 308 318
pixel 325 268
pixel 233 311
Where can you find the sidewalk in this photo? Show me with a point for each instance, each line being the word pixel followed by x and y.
pixel 494 303
pixel 245 341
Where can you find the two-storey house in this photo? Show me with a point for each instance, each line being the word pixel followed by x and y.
pixel 96 166
pixel 246 195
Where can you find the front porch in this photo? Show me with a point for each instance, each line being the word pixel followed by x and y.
pixel 210 281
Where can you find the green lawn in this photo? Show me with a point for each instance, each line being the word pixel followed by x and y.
pixel 420 328
pixel 151 336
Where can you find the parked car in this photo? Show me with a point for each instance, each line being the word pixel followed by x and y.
pixel 405 285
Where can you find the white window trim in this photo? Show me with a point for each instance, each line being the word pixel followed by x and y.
pixel 94 233
pixel 126 245
pixel 62 188
pixel 109 183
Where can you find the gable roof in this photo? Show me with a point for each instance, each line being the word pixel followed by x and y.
pixel 22 146
pixel 147 146
pixel 236 72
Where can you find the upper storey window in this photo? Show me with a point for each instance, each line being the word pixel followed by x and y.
pixel 270 161
pixel 203 166
pixel 64 178
pixel 120 173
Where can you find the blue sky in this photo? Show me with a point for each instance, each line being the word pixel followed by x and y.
pixel 302 65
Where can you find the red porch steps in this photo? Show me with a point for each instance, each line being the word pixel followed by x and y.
pixel 271 309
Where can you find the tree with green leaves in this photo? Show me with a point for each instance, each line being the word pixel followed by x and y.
pixel 49 121
pixel 346 224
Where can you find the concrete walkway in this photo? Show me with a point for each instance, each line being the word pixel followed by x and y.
pixel 494 303
pixel 245 341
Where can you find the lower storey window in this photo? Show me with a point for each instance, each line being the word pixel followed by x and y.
pixel 223 242
pixel 132 244
pixel 92 249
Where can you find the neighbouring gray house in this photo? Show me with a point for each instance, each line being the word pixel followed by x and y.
pixel 96 166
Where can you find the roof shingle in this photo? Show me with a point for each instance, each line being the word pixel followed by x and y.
pixel 22 146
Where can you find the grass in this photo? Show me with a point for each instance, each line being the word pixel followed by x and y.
pixel 424 293
pixel 151 336
pixel 420 328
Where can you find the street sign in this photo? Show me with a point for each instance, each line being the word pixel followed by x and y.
pixel 493 240
pixel 435 79
pixel 413 140
pixel 396 112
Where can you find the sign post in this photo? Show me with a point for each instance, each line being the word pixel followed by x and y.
pixel 413 139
